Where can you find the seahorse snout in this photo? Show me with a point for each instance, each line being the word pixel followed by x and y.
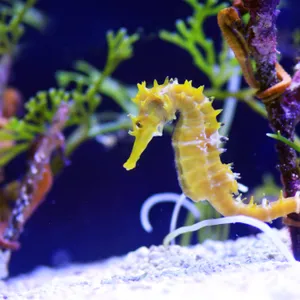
pixel 144 129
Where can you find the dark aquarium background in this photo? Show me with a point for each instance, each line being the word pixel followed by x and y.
pixel 93 209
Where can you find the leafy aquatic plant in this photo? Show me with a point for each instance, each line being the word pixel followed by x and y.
pixel 84 100
pixel 73 104
pixel 14 15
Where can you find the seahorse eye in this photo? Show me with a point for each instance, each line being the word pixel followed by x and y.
pixel 138 124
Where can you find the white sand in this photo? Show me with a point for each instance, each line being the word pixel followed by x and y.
pixel 249 268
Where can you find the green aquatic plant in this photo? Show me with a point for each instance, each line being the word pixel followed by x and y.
pixel 13 16
pixel 190 36
pixel 73 104
pixel 277 136
pixel 84 99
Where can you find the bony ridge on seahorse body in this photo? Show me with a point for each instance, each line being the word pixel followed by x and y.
pixel 197 144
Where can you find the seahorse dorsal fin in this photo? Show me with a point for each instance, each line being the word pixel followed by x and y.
pixel 167 80
pixel 173 80
pixel 142 86
pixel 200 88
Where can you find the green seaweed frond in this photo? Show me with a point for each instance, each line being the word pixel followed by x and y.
pixel 190 36
pixel 40 110
pixel 217 65
pixel 277 136
pixel 84 100
pixel 42 107
pixel 32 16
pixel 13 16
pixel 120 48
pixel 85 74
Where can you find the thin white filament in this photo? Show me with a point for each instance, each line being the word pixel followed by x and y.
pixel 161 198
pixel 234 219
pixel 175 213
pixel 229 109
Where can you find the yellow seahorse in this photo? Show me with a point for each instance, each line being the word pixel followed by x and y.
pixel 197 144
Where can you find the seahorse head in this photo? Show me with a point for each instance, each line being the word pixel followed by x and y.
pixel 155 109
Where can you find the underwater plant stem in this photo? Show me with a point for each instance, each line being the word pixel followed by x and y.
pixel 84 133
pixel 109 127
pixel 281 138
pixel 187 237
pixel 283 112
pixel 76 139
pixel 95 86
pixel 245 96
pixel 256 106
pixel 175 214
pixel 230 105
pixel 18 19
